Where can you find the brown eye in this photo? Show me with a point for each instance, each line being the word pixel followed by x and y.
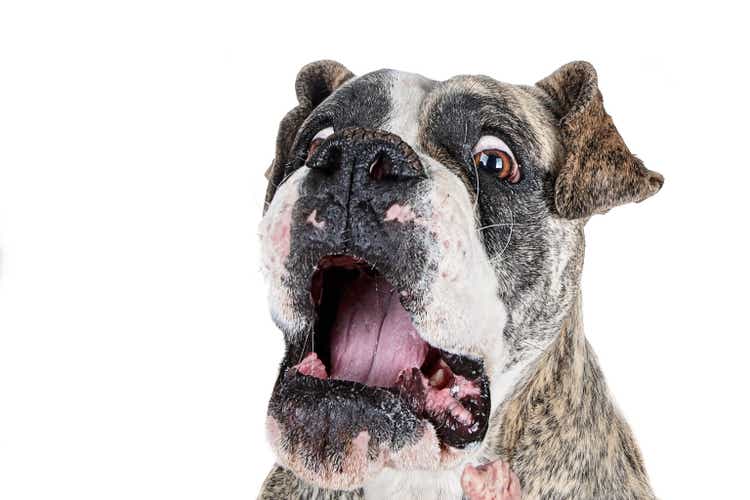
pixel 493 155
pixel 318 140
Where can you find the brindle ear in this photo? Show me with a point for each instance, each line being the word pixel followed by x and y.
pixel 599 171
pixel 315 82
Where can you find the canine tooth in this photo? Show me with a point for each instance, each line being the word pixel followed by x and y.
pixel 439 378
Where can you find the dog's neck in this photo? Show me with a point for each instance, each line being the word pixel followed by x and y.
pixel 560 430
pixel 557 374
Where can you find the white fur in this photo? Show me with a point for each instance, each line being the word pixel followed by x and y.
pixel 465 314
pixel 407 92
pixel 416 484
pixel 272 253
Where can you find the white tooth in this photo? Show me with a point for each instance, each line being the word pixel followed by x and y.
pixel 438 378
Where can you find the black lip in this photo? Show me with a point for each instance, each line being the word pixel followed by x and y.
pixel 463 365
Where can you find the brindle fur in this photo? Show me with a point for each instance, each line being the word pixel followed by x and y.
pixel 599 171
pixel 562 434
pixel 281 483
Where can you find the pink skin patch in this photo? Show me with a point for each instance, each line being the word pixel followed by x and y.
pixel 492 481
pixel 400 213
pixel 312 366
pixel 273 433
pixel 313 219
pixel 359 443
pixel 280 235
pixel 350 472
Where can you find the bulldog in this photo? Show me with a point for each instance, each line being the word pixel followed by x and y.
pixel 423 244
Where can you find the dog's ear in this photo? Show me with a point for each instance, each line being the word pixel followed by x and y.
pixel 315 82
pixel 599 171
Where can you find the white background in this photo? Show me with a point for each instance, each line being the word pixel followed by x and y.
pixel 136 351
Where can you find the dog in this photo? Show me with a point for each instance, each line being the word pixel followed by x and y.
pixel 423 244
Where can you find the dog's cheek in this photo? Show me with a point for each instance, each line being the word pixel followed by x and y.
pixel 275 238
pixel 463 312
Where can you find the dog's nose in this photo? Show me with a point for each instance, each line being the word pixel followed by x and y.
pixel 382 154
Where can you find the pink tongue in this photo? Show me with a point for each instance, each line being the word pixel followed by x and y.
pixel 372 339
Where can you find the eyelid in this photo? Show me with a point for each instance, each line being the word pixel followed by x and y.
pixel 492 142
pixel 323 134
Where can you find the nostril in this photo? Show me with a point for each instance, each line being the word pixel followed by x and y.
pixel 381 168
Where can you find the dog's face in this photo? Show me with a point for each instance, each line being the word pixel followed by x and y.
pixel 423 241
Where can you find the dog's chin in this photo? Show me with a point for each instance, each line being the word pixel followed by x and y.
pixel 364 391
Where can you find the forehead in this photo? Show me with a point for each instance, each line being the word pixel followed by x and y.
pixel 420 110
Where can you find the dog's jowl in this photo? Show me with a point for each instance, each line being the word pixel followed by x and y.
pixel 423 245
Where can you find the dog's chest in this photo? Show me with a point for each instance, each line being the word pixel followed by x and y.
pixel 415 485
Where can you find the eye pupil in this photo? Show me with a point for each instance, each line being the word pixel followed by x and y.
pixel 490 161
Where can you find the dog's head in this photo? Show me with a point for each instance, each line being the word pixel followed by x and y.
pixel 423 241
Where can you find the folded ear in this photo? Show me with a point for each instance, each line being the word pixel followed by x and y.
pixel 599 171
pixel 315 82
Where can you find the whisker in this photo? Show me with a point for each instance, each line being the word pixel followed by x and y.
pixel 510 235
pixel 500 224
pixel 476 172
pixel 307 337
pixel 476 175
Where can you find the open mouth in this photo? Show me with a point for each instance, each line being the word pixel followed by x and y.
pixel 364 339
